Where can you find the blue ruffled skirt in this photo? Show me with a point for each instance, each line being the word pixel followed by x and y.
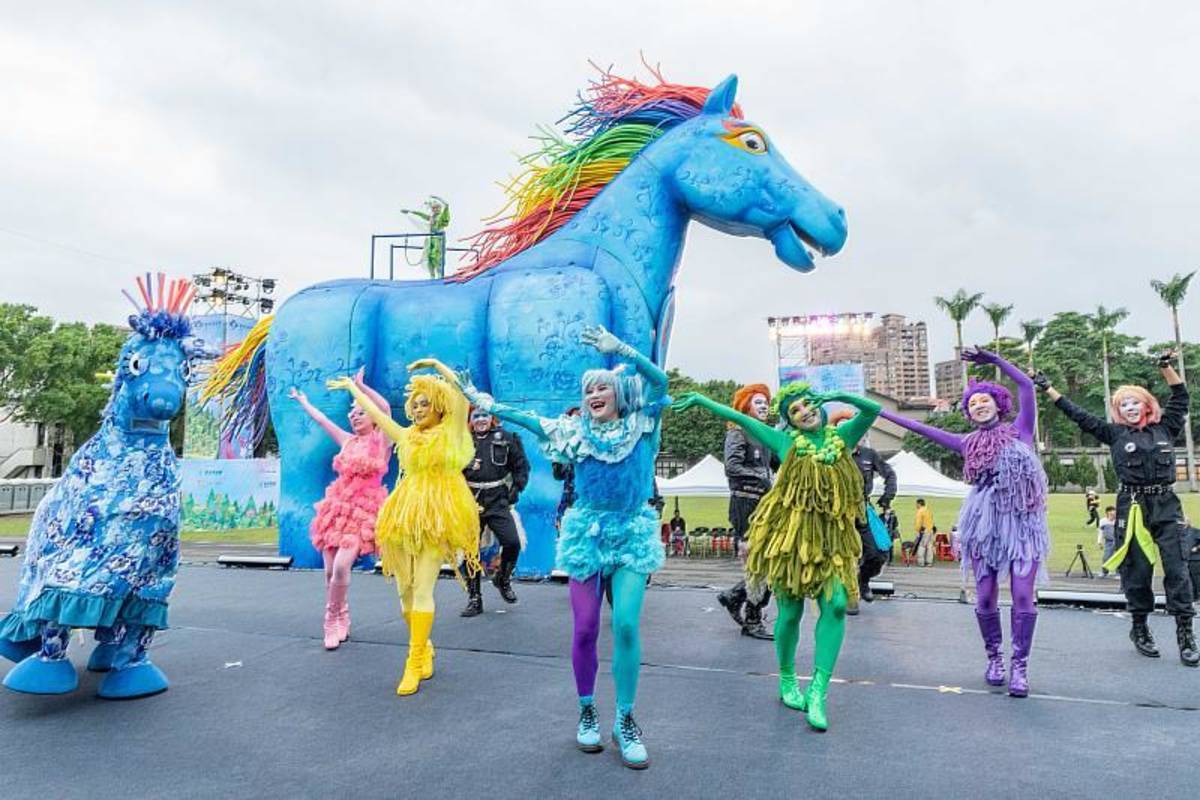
pixel 592 541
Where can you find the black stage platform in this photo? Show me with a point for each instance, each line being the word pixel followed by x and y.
pixel 258 709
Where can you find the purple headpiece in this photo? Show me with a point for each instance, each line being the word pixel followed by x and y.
pixel 1000 394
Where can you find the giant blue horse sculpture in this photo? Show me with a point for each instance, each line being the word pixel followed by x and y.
pixel 595 238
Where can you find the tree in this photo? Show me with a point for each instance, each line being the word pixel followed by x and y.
pixel 997 314
pixel 1083 472
pixel 691 434
pixel 1056 472
pixel 1103 322
pixel 1172 293
pixel 958 307
pixel 19 327
pixel 1030 330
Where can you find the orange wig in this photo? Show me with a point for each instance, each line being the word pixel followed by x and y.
pixel 1152 411
pixel 743 396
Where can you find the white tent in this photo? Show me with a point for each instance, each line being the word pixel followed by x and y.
pixel 915 478
pixel 705 479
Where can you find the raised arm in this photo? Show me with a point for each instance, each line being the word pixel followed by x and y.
pixel 605 342
pixel 337 434
pixel 854 429
pixel 1175 410
pixel 777 441
pixel 1026 421
pixel 1088 423
pixel 530 422
pixel 948 440
pixel 389 426
pixel 379 400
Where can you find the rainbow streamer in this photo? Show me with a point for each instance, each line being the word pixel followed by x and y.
pixel 611 123
pixel 238 381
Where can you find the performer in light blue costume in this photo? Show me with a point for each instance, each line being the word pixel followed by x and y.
pixel 104 544
pixel 610 535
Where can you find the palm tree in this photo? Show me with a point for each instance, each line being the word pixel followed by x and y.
pixel 1172 293
pixel 997 314
pixel 1030 331
pixel 1103 322
pixel 958 307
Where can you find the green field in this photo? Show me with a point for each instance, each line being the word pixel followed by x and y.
pixel 1066 523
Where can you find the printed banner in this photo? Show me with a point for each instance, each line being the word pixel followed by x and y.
pixel 202 434
pixel 827 377
pixel 227 493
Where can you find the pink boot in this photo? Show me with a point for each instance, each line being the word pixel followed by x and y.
pixel 339 593
pixel 334 599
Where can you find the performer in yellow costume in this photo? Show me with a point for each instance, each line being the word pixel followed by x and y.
pixel 430 518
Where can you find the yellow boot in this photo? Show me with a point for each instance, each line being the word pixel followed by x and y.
pixel 419 625
pixel 427 660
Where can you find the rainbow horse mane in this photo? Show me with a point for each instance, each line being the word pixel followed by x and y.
pixel 612 121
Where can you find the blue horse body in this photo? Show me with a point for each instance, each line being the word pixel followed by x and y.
pixel 516 327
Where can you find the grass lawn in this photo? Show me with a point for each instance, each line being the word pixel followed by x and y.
pixel 1066 523
pixel 1067 514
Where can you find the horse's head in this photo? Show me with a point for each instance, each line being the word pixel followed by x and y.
pixel 151 382
pixel 729 175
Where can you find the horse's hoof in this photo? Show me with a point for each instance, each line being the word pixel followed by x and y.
pixel 102 658
pixel 130 683
pixel 36 675
pixel 17 652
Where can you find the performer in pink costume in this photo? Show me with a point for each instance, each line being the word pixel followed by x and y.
pixel 344 527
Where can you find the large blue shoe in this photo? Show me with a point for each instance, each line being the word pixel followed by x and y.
pixel 587 734
pixel 628 737
pixel 129 683
pixel 17 652
pixel 102 658
pixel 36 675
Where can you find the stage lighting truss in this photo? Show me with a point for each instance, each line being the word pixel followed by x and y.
pixel 221 288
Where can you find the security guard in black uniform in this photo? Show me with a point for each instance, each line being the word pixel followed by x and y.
pixel 1143 456
pixel 870 463
pixel 497 476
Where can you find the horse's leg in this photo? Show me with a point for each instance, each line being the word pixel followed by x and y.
pixel 106 648
pixel 47 671
pixel 133 674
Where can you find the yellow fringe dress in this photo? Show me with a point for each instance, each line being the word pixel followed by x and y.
pixel 803 535
pixel 431 506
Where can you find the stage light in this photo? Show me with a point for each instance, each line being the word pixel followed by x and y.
pixel 268 285
pixel 255 562
pixel 9 550
pixel 266 305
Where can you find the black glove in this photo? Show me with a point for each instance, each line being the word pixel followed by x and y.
pixel 1040 380
pixel 1166 359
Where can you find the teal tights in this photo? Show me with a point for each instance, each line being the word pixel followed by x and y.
pixel 628 589
pixel 831 629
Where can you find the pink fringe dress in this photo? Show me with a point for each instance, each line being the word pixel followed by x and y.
pixel 346 515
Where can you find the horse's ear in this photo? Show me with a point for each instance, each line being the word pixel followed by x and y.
pixel 720 100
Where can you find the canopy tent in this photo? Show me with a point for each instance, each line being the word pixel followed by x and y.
pixel 915 478
pixel 705 479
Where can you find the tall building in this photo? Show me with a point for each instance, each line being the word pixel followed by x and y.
pixel 894 352
pixel 947 377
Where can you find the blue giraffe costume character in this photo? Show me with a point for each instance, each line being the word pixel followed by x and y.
pixel 103 548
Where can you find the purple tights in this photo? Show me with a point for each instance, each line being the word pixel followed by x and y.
pixel 585 605
pixel 987 589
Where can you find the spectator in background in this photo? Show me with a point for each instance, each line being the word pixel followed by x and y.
pixel 1107 537
pixel 678 523
pixel 1093 507
pixel 892 521
pixel 923 525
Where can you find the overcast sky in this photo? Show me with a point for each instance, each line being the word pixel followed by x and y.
pixel 1047 154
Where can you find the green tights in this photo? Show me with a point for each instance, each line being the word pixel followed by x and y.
pixel 830 630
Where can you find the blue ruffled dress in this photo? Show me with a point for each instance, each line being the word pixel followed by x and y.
pixel 611 525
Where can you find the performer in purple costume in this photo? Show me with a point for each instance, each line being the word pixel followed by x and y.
pixel 1002 523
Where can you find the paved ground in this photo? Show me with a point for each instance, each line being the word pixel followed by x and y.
pixel 258 709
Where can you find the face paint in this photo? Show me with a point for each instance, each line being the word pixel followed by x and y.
pixel 804 416
pixel 759 406
pixel 481 421
pixel 981 408
pixel 1132 410
pixel 600 400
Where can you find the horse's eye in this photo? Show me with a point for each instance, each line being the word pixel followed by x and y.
pixel 138 364
pixel 185 371
pixel 753 142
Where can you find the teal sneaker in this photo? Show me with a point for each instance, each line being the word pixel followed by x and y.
pixel 587 735
pixel 628 737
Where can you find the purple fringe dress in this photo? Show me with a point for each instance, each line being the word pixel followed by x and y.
pixel 1002 524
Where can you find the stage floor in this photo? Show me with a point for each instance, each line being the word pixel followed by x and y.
pixel 258 709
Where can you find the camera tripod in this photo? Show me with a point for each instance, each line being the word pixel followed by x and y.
pixel 1081 557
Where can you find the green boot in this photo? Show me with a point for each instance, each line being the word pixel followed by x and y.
pixel 789 691
pixel 817 688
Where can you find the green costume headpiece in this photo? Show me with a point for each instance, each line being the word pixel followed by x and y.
pixel 796 390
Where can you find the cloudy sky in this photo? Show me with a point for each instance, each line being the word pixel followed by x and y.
pixel 1047 154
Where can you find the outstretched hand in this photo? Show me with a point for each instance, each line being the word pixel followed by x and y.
pixel 341 382
pixel 977 355
pixel 1040 380
pixel 359 376
pixel 599 338
pixel 296 394
pixel 1166 360
pixel 687 400
pixel 424 363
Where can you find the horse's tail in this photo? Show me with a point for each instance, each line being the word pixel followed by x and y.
pixel 238 380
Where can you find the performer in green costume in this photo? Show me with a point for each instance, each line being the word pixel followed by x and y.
pixel 803 539
pixel 437 216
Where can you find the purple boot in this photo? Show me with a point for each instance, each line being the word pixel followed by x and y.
pixel 993 643
pixel 1023 624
